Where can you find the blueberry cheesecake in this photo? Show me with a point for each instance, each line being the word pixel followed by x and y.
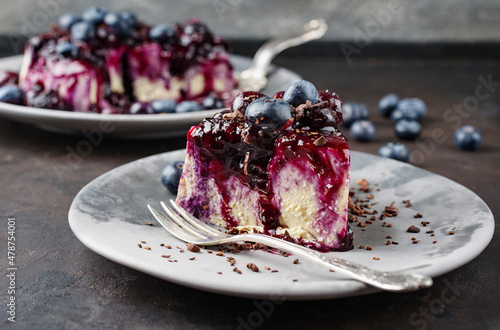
pixel 274 165
pixel 105 62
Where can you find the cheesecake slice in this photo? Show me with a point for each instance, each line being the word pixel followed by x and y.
pixel 107 61
pixel 274 165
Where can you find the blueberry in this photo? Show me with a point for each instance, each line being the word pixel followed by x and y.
pixel 409 109
pixel 396 151
pixel 67 49
pixel 171 175
pixel 82 31
pixel 387 104
pixel 299 92
pixel 129 18
pixel 140 108
pixel 269 113
pixel 352 111
pixel 161 33
pixel 363 130
pixel 67 20
pixel 95 15
pixel 117 24
pixel 468 137
pixel 407 129
pixel 211 102
pixel 163 106
pixel 187 106
pixel 11 94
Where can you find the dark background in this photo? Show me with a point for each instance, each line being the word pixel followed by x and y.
pixel 432 50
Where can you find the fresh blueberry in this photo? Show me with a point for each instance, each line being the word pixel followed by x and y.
pixel 269 113
pixel 117 24
pixel 396 151
pixel 140 108
pixel 67 20
pixel 211 102
pixel 363 130
pixel 161 33
pixel 82 31
pixel 187 106
pixel 408 129
pixel 387 104
pixel 94 15
pixel 11 94
pixel 67 49
pixel 352 111
pixel 299 92
pixel 163 106
pixel 409 109
pixel 129 18
pixel 468 137
pixel 243 99
pixel 171 175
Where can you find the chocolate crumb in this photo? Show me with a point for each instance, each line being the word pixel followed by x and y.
pixel 139 245
pixel 394 242
pixel 169 247
pixel 219 254
pixel 434 242
pixel 147 248
pixel 388 236
pixel 267 268
pixel 362 247
pixel 295 280
pixel 331 270
pixel 424 223
pixel 236 270
pixel 413 229
pixel 274 271
pixel 432 234
pixel 319 142
pixel 451 233
pixel 418 215
pixel 296 261
pixel 253 267
pixel 143 242
pixel 376 258
pixel 149 223
pixel 193 247
pixel 415 241
pixel 165 255
pixel 209 252
pixel 192 258
pixel 219 273
pixel 206 207
pixel 388 243
pixel 162 244
pixel 429 231
pixel 369 248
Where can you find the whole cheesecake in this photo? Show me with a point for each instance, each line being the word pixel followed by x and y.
pixel 104 61
pixel 274 165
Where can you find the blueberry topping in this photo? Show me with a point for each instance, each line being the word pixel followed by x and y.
pixel 187 106
pixel 243 99
pixel 269 113
pixel 396 151
pixel 409 109
pixel 299 92
pixel 117 24
pixel 407 129
pixel 82 31
pixel 468 137
pixel 129 18
pixel 387 104
pixel 140 108
pixel 161 33
pixel 171 175
pixel 352 111
pixel 11 94
pixel 211 102
pixel 95 15
pixel 363 130
pixel 67 49
pixel 162 106
pixel 67 20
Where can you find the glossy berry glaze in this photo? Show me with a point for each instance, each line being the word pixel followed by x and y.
pixel 100 76
pixel 229 145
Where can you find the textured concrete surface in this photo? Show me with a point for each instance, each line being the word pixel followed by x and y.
pixel 356 20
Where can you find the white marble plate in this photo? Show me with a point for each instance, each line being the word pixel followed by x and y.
pixel 127 126
pixel 109 216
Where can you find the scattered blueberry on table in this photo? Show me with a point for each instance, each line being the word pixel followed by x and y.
pixel 187 106
pixel 171 175
pixel 407 129
pixel 11 94
pixel 352 111
pixel 162 106
pixel 468 137
pixel 396 151
pixel 410 108
pixel 211 102
pixel 387 104
pixel 363 130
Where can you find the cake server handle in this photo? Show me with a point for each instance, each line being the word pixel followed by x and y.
pixel 254 78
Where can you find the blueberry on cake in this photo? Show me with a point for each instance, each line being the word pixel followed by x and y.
pixel 275 165
pixel 105 61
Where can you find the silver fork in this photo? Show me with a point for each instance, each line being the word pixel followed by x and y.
pixel 187 228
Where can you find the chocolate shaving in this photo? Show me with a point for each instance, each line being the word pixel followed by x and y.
pixel 193 247
pixel 413 229
pixel 253 267
pixel 319 142
pixel 245 163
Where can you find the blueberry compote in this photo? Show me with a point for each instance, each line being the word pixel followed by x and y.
pixel 231 144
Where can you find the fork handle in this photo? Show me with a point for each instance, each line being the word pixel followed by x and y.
pixel 389 281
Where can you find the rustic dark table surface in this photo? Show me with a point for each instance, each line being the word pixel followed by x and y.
pixel 61 284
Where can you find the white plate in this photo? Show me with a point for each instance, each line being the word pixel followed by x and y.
pixel 109 216
pixel 127 126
